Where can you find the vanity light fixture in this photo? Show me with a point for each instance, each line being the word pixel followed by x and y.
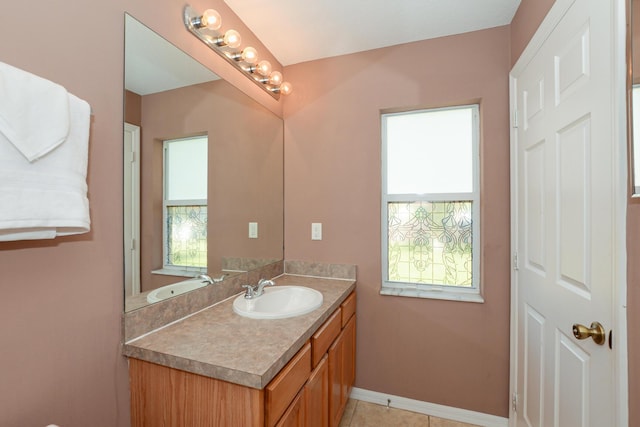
pixel 248 55
pixel 206 27
pixel 230 39
pixel 263 68
pixel 210 19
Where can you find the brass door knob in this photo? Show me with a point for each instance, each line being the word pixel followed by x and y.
pixel 596 331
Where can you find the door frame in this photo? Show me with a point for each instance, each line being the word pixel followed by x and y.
pixel 131 202
pixel 619 137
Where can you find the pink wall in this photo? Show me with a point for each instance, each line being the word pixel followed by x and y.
pixel 633 309
pixel 422 349
pixel 525 23
pixel 62 300
pixel 633 254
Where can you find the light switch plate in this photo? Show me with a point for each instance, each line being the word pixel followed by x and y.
pixel 316 231
pixel 253 230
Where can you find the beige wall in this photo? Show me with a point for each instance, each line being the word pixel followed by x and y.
pixel 423 349
pixel 61 300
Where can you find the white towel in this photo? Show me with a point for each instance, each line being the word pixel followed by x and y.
pixel 34 112
pixel 46 197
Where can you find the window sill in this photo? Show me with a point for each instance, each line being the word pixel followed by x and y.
pixel 180 272
pixel 449 295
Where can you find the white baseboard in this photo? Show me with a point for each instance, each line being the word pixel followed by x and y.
pixel 441 411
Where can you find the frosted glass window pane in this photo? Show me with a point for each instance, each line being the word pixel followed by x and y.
pixel 430 152
pixel 431 243
pixel 186 168
pixel 187 236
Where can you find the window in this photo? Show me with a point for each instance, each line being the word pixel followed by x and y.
pixel 185 204
pixel 431 203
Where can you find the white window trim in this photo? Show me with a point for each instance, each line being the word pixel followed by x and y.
pixel 452 293
pixel 174 270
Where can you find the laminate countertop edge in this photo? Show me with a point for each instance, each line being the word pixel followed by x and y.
pixel 218 343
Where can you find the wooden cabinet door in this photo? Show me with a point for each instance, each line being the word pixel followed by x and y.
pixel 283 389
pixel 342 371
pixel 349 359
pixel 317 395
pixel 335 380
pixel 294 416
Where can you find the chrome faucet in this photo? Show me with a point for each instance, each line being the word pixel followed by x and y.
pixel 205 278
pixel 256 291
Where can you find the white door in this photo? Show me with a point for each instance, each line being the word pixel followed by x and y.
pixel 564 180
pixel 131 183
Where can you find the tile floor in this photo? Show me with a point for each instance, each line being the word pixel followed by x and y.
pixel 365 414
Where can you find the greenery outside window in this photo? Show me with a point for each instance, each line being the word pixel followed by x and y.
pixel 185 205
pixel 431 203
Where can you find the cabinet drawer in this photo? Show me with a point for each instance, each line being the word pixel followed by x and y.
pixel 324 336
pixel 281 391
pixel 348 308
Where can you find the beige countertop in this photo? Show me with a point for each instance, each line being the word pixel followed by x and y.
pixel 218 343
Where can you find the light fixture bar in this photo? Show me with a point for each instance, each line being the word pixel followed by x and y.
pixel 270 82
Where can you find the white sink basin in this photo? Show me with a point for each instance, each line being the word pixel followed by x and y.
pixel 174 289
pixel 279 302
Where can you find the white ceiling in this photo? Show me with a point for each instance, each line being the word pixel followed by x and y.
pixel 303 30
pixel 154 65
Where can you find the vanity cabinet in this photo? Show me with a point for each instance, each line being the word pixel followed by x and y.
pixel 310 391
pixel 327 388
pixel 163 396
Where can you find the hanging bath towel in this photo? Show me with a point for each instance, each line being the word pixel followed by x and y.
pixel 44 141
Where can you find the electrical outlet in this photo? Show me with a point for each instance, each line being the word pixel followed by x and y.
pixel 316 231
pixel 253 230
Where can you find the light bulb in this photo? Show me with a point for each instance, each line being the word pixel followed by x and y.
pixel 275 78
pixel 210 19
pixel 264 67
pixel 286 88
pixel 249 55
pixel 231 39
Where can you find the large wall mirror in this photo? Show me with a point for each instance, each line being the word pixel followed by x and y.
pixel 203 172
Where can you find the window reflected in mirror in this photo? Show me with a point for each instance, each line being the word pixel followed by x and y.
pixel 185 205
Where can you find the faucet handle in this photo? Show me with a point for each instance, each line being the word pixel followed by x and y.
pixel 250 291
pixel 205 278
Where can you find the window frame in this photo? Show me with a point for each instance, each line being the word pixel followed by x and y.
pixel 433 291
pixel 171 269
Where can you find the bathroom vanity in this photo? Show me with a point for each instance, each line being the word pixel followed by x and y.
pixel 217 368
pixel 193 360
